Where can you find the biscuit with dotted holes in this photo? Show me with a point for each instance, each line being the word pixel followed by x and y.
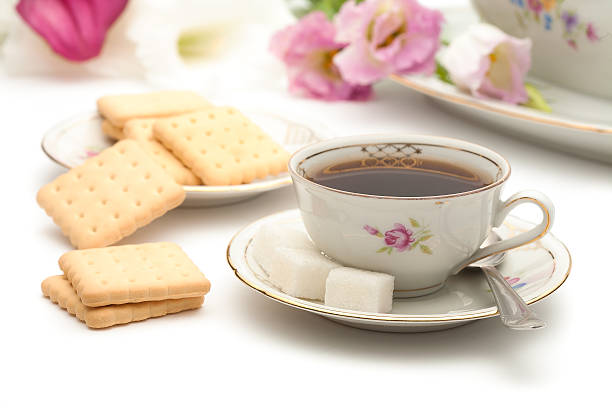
pixel 222 146
pixel 58 290
pixel 132 273
pixel 110 196
pixel 141 130
pixel 111 130
pixel 118 109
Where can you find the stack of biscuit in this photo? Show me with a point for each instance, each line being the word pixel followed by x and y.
pixel 165 140
pixel 108 286
pixel 168 139
pixel 175 127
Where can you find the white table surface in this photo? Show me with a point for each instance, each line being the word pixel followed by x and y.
pixel 244 348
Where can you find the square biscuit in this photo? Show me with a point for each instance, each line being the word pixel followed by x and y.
pixel 133 273
pixel 141 130
pixel 58 290
pixel 109 196
pixel 118 109
pixel 111 130
pixel 222 146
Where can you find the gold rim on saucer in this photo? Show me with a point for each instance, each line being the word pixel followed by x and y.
pixel 380 317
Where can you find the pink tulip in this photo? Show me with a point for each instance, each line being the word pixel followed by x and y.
pixel 307 48
pixel 74 29
pixel 489 63
pixel 386 37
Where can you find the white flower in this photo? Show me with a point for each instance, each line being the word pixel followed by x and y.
pixel 166 43
pixel 488 62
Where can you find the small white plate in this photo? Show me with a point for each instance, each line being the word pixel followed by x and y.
pixel 535 271
pixel 579 124
pixel 74 140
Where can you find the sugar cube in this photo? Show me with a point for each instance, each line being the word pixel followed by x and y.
pixel 291 261
pixel 356 289
pixel 270 236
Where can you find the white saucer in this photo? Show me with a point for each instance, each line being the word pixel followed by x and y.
pixel 580 124
pixel 535 270
pixel 72 141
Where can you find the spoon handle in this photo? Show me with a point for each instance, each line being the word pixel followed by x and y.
pixel 514 312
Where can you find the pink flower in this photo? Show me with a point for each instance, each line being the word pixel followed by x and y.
pixel 399 237
pixel 307 48
pixel 371 230
pixel 74 29
pixel 591 33
pixel 386 37
pixel 488 62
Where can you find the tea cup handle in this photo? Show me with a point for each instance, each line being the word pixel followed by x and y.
pixel 535 233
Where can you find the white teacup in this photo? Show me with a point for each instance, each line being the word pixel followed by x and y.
pixel 419 240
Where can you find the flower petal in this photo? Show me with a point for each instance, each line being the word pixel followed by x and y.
pixel 386 36
pixel 352 20
pixel 307 48
pixel 354 62
pixel 74 29
pixel 384 26
pixel 488 62
pixel 296 42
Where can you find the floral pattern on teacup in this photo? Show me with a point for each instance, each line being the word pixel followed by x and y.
pixel 550 12
pixel 401 238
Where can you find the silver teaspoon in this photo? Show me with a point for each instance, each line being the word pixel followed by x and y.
pixel 513 311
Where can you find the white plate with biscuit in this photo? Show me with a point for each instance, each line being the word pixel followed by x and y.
pixel 78 138
pixel 535 271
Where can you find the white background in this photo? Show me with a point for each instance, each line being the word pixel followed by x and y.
pixel 244 348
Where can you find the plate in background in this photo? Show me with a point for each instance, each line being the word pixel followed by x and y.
pixel 76 139
pixel 579 124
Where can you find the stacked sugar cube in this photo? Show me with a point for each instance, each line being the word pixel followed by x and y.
pixel 293 263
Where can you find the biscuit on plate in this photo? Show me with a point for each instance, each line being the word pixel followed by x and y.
pixel 222 146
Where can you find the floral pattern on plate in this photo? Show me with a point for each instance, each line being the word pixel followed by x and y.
pixel 90 151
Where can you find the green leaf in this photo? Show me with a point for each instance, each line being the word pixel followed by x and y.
pixel 536 100
pixel 425 249
pixel 414 223
pixel 389 251
pixel 379 234
pixel 443 74
pixel 383 249
pixel 425 238
pixel 329 7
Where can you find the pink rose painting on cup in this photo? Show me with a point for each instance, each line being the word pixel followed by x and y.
pixel 401 238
